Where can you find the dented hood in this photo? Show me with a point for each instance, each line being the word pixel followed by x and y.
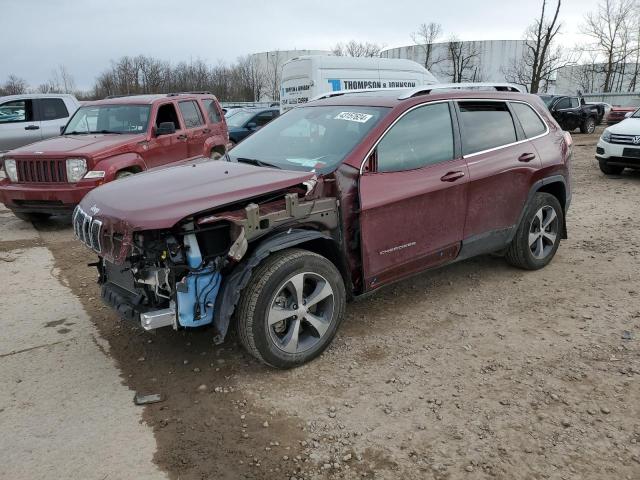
pixel 160 198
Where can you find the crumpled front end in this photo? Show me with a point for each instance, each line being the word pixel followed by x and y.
pixel 174 276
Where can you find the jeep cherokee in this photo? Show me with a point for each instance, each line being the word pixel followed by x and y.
pixel 333 199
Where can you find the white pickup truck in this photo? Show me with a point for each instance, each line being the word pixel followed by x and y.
pixel 33 117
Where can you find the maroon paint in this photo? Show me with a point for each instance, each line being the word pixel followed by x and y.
pixel 112 153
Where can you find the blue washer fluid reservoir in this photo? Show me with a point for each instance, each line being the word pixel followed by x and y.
pixel 197 291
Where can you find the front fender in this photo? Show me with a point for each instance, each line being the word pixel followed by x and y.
pixel 112 165
pixel 235 282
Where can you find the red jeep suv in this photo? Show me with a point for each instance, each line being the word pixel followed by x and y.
pixel 333 199
pixel 110 139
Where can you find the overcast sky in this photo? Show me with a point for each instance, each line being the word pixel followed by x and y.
pixel 84 35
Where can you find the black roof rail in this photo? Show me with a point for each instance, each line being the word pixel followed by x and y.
pixel 202 92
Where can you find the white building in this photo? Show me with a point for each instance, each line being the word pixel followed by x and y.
pixel 269 67
pixel 485 60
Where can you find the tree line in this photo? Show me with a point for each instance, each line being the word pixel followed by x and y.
pixel 608 62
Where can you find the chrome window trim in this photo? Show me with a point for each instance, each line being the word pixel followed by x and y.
pixel 470 155
pixel 375 145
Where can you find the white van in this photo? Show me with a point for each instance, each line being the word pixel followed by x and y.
pixel 308 76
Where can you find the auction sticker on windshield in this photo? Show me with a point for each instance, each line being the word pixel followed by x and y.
pixel 353 117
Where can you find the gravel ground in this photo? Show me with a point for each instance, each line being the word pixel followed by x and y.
pixel 472 371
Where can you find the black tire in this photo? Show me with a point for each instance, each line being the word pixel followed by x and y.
pixel 215 155
pixel 610 169
pixel 588 126
pixel 124 174
pixel 262 294
pixel 32 217
pixel 520 253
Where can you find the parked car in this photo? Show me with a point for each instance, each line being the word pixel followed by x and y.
pixel 617 114
pixel 244 122
pixel 603 112
pixel 335 199
pixel 107 140
pixel 619 146
pixel 573 112
pixel 30 118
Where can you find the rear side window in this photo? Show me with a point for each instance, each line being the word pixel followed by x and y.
pixel 575 103
pixel 52 108
pixel 485 125
pixel 422 137
pixel 191 114
pixel 16 111
pixel 212 111
pixel 529 119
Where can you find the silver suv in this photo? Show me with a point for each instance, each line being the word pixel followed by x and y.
pixel 30 118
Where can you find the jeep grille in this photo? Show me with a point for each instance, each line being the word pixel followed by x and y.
pixel 87 229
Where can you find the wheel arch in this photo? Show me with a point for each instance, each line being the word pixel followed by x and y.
pixel 555 185
pixel 238 279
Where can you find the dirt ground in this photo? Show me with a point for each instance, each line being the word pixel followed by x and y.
pixel 473 371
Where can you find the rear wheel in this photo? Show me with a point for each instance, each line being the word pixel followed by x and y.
pixel 588 126
pixel 610 169
pixel 215 155
pixel 32 217
pixel 291 309
pixel 538 236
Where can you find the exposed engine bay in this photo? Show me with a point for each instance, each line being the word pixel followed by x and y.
pixel 175 277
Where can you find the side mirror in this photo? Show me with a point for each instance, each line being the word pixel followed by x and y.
pixel 628 114
pixel 252 125
pixel 165 128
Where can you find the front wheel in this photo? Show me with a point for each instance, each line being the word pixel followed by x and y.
pixel 538 236
pixel 588 126
pixel 291 309
pixel 32 217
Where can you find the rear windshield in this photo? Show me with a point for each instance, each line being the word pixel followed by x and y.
pixel 310 138
pixel 109 119
pixel 239 118
pixel 547 99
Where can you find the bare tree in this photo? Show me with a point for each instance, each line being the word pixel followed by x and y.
pixel 609 28
pixel 357 49
pixel 424 38
pixel 250 78
pixel 13 86
pixel 273 73
pixel 542 56
pixel 463 60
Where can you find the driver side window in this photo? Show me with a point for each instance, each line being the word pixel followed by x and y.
pixel 422 137
pixel 563 104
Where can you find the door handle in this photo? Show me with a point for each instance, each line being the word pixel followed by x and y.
pixel 526 157
pixel 452 176
pixel 32 127
pixel 182 137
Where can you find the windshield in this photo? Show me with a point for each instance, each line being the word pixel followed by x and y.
pixel 309 138
pixel 109 119
pixel 547 99
pixel 238 118
pixel 636 114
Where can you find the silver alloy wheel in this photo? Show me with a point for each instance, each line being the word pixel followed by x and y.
pixel 300 312
pixel 543 232
pixel 591 125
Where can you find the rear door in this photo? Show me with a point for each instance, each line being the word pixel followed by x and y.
pixel 414 198
pixel 18 124
pixel 53 114
pixel 216 126
pixel 501 164
pixel 195 127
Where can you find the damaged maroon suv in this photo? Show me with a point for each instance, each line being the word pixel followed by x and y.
pixel 334 199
